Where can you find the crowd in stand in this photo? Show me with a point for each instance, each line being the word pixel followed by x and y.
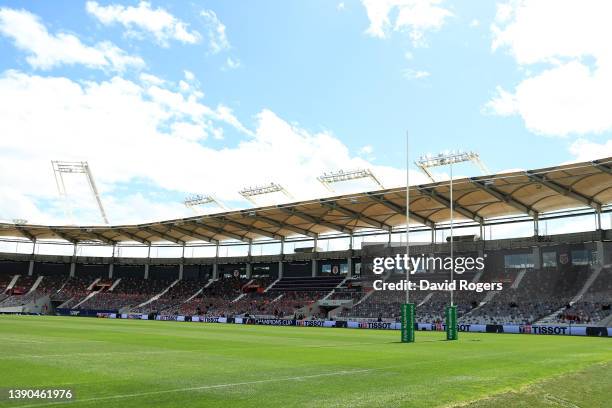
pixel 537 294
pixel 226 297
pixel 47 286
pixel 176 295
pixel 5 280
pixel 51 284
pixel 594 306
pixel 213 298
pixel 19 294
pixel 429 304
pixel 73 291
pixel 129 293
pixel 344 294
pixel 512 307
pixel 18 300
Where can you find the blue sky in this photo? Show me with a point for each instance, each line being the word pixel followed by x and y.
pixel 339 81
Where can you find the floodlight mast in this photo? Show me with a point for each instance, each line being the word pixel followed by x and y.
pixel 327 179
pixel 196 200
pixel 63 167
pixel 250 192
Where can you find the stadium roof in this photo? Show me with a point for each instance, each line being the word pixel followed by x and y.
pixel 534 192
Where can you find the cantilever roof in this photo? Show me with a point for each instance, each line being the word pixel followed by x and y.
pixel 533 192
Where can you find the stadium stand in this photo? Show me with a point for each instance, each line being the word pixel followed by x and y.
pixel 561 278
pixel 560 294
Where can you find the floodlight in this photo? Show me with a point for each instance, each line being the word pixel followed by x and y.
pixel 65 167
pixel 250 192
pixel 444 159
pixel 345 175
pixel 197 200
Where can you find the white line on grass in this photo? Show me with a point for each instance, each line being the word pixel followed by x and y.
pixel 94 354
pixel 203 387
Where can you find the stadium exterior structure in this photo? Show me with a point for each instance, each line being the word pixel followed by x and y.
pixel 321 282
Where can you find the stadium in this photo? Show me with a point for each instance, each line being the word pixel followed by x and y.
pixel 557 285
pixel 349 203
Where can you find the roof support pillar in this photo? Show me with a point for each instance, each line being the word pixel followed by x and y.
pixel 73 261
pixel 111 265
pixel 537 257
pixel 146 273
pixel 601 253
pixel 536 226
pixel 598 219
pixel 313 266
pixel 180 276
pixel 282 256
pixel 248 264
pixel 215 271
pixel 31 264
pixel 349 266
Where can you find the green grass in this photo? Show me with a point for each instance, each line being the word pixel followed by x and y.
pixel 130 363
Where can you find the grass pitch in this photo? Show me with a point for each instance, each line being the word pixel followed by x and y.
pixel 131 363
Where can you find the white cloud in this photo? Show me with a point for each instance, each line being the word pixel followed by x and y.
pixel 131 131
pixel 367 152
pixel 585 150
pixel 232 63
pixel 341 6
pixel 184 86
pixel 415 74
pixel 474 23
pixel 414 16
pixel 217 38
pixel 188 131
pixel 570 38
pixel 46 50
pixel 190 76
pixel 144 19
pixel 151 79
pixel 367 149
